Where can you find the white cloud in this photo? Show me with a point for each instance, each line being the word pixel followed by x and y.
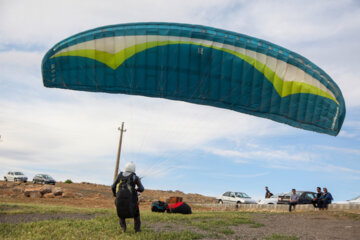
pixel 269 155
pixel 81 128
pixel 162 124
pixel 255 175
pixel 21 59
pixel 291 21
pixel 287 158
pixel 333 168
pixel 43 22
pixel 355 151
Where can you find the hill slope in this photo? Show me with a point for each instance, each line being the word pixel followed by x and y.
pixel 90 195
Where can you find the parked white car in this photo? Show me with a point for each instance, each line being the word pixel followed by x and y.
pixel 15 176
pixel 235 198
pixel 272 200
pixel 355 200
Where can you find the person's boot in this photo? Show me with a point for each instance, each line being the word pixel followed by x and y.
pixel 137 224
pixel 122 223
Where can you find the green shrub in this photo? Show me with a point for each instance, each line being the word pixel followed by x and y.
pixel 68 181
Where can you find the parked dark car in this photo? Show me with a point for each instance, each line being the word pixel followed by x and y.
pixel 43 179
pixel 305 197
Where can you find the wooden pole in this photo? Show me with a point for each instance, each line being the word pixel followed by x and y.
pixel 119 150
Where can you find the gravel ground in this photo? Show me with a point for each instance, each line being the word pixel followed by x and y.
pixel 307 226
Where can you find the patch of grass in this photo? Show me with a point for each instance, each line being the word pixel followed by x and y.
pixel 215 236
pixel 256 225
pixel 6 208
pixel 280 237
pixel 25 208
pixel 105 226
pixel 102 227
pixel 227 231
pixel 216 223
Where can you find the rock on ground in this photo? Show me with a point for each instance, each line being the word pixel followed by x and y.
pixel 57 191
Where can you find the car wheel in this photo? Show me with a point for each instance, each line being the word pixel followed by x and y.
pixel 43 182
pixel 220 202
pixel 15 180
pixel 34 182
pixel 5 179
pixel 238 202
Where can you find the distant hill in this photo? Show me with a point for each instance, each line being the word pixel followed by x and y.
pixel 89 194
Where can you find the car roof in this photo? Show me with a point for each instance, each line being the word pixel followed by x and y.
pixel 299 192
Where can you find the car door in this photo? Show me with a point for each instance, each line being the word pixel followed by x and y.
pixel 11 176
pixel 232 198
pixel 306 198
pixel 225 197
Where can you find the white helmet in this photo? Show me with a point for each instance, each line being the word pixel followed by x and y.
pixel 130 167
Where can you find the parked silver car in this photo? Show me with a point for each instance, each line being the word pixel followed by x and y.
pixel 15 176
pixel 235 198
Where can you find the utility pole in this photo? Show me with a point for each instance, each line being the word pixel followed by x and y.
pixel 119 150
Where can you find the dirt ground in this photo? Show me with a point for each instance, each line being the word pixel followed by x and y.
pixel 307 226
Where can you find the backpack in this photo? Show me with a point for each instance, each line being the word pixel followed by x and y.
pixel 159 206
pixel 180 207
pixel 126 196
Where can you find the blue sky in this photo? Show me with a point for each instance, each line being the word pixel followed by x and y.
pixel 177 145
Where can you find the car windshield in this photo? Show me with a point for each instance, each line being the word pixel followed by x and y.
pixel 47 177
pixel 242 195
pixel 19 173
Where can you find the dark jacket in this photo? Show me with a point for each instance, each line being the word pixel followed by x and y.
pixel 136 180
pixel 268 194
pixel 318 195
pixel 327 197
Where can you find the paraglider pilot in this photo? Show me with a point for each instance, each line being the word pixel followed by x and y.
pixel 125 189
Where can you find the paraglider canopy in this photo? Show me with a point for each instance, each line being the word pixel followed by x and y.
pixel 202 65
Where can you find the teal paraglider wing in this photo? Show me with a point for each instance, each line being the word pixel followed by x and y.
pixel 200 65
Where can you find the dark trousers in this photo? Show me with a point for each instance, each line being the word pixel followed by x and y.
pixel 292 204
pixel 316 203
pixel 323 204
pixel 137 222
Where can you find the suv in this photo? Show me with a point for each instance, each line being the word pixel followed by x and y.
pixel 43 179
pixel 15 176
pixel 305 197
pixel 235 197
